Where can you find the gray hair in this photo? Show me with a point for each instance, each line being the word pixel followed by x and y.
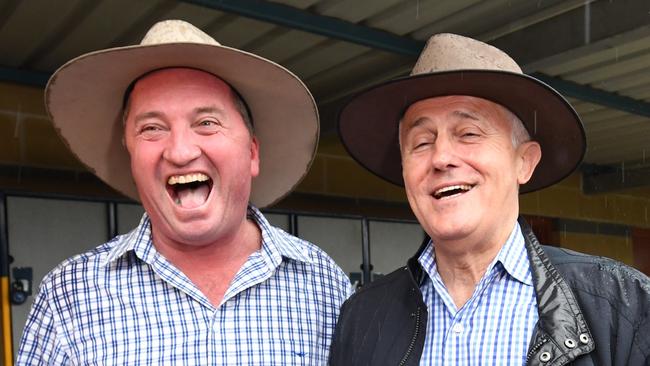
pixel 519 133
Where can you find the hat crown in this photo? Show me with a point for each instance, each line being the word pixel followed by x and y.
pixel 448 52
pixel 176 31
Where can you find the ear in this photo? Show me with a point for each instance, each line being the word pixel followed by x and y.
pixel 255 157
pixel 528 155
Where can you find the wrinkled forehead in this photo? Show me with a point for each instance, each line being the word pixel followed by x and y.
pixel 456 107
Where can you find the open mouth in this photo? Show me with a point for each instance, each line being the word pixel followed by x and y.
pixel 452 191
pixel 189 190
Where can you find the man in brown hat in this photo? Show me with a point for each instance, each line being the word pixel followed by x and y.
pixel 208 133
pixel 465 134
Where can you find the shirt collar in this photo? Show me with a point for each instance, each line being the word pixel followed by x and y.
pixel 512 257
pixel 274 242
pixel 273 246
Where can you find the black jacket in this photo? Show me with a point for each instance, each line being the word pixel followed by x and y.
pixel 592 311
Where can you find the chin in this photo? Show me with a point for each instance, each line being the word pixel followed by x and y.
pixel 451 228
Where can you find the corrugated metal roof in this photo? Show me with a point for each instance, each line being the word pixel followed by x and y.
pixel 596 44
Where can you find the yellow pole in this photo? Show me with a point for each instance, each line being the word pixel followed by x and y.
pixel 5 296
pixel 7 347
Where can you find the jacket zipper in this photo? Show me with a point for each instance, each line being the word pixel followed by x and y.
pixel 413 339
pixel 536 348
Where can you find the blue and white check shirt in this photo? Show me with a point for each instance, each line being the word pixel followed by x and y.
pixel 495 325
pixel 123 303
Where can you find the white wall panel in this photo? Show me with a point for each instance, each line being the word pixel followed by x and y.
pixel 128 217
pixel 278 220
pixel 340 238
pixel 392 244
pixel 44 232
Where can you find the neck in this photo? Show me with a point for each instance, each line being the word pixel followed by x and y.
pixel 241 243
pixel 462 263
pixel 212 267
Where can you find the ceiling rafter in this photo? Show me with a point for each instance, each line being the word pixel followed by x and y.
pixel 305 20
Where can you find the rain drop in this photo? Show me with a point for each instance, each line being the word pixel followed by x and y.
pixel 587 22
pixel 622 172
pixel 19 122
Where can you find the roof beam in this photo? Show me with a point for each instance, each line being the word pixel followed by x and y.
pixel 25 77
pixel 608 178
pixel 516 44
pixel 339 29
pixel 596 96
pixel 577 28
pixel 291 17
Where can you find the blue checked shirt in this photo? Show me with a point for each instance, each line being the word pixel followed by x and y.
pixel 124 304
pixel 495 325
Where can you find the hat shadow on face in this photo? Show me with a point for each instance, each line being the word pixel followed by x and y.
pixel 455 65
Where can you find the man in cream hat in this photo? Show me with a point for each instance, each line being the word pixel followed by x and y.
pixel 201 134
pixel 465 134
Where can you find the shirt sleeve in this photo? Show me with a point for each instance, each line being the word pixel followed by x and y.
pixel 40 344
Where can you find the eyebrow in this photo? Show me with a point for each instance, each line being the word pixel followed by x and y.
pixel 465 114
pixel 210 109
pixel 418 122
pixel 158 114
pixel 147 115
pixel 457 113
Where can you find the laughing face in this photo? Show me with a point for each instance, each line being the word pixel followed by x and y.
pixel 192 156
pixel 461 169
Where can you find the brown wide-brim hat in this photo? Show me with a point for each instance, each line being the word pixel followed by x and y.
pixel 84 99
pixel 457 65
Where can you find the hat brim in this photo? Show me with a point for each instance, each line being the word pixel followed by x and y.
pixel 368 122
pixel 84 101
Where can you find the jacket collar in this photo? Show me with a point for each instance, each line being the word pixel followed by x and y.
pixel 561 331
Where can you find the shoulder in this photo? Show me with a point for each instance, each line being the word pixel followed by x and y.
pixel 583 270
pixel 614 297
pixel 303 251
pixel 393 287
pixel 600 282
pixel 79 268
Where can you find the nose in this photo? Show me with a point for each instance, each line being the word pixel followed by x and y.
pixel 443 154
pixel 181 148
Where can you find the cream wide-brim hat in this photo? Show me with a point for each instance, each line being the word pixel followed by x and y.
pixel 457 65
pixel 84 100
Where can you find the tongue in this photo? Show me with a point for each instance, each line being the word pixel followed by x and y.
pixel 193 197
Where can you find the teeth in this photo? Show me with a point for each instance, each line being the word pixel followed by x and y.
pixel 187 178
pixel 464 187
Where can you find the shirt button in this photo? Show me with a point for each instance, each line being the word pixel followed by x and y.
pixel 457 328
